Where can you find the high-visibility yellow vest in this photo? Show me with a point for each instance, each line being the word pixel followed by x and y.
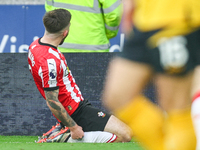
pixel 93 23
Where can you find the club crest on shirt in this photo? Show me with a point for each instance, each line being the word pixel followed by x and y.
pixel 101 114
pixel 69 107
pixel 66 72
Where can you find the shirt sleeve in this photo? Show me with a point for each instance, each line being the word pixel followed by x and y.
pixel 112 13
pixel 49 73
pixel 51 89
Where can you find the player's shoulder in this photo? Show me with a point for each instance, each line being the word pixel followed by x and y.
pixel 45 50
pixel 54 53
pixel 36 47
pixel 33 44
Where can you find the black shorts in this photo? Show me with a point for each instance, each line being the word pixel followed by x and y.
pixel 176 56
pixel 90 118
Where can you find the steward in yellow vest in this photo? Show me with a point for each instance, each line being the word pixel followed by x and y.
pixel 94 22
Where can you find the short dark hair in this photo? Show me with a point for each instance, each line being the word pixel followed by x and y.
pixel 56 20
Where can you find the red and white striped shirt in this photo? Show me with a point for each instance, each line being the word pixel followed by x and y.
pixel 49 69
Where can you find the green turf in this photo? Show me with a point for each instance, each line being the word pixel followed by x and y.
pixel 27 143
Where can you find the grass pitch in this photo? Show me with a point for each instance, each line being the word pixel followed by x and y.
pixel 28 143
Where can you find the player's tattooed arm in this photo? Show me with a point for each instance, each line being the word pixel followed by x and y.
pixel 57 109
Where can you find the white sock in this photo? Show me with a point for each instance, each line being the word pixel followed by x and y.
pixel 95 137
pixel 195 112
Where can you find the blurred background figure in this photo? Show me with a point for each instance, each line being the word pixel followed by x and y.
pixel 94 22
pixel 162 43
pixel 196 103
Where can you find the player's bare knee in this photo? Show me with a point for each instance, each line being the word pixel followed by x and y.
pixel 119 128
pixel 126 137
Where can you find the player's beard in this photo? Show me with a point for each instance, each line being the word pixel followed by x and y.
pixel 63 39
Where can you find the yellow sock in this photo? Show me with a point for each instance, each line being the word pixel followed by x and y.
pixel 146 120
pixel 179 131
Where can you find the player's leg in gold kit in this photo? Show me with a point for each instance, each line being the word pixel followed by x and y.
pixel 125 82
pixel 174 96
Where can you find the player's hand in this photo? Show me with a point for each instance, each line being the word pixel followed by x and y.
pixel 76 132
